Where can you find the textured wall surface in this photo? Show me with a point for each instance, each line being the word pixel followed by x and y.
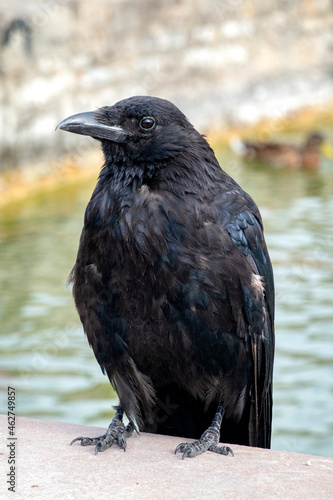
pixel 221 62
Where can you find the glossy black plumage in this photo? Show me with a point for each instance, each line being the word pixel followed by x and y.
pixel 173 281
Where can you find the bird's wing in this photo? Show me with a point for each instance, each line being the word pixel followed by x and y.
pixel 242 221
pixel 219 292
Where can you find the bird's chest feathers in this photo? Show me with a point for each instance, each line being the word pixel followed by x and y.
pixel 131 225
pixel 141 231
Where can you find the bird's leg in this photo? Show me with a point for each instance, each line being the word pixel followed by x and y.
pixel 209 440
pixel 115 432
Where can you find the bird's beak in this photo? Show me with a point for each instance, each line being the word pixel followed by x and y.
pixel 87 124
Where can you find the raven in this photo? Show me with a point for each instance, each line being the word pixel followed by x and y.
pixel 173 283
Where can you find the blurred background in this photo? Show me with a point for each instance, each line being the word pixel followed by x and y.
pixel 239 69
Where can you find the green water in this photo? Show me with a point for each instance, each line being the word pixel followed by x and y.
pixel 45 356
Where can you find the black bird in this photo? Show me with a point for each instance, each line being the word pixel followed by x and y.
pixel 173 283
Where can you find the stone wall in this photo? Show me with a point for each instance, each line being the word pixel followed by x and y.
pixel 221 62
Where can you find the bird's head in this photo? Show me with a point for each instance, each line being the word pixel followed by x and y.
pixel 147 129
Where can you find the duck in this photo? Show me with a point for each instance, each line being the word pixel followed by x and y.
pixel 306 156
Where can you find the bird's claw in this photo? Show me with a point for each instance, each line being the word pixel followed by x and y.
pixel 193 449
pixel 86 441
pixel 221 449
pixel 116 432
pixel 209 440
pixel 184 447
pixel 179 447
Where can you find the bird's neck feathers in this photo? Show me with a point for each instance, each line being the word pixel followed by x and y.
pixel 189 173
pixel 121 171
pixel 120 177
pixel 196 162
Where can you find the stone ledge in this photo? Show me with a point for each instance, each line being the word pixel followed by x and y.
pixel 47 467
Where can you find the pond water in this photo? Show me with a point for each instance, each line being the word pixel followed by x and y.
pixel 46 357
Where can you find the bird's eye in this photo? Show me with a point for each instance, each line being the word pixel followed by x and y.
pixel 147 123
